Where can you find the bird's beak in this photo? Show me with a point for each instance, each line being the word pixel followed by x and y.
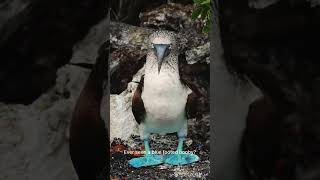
pixel 161 52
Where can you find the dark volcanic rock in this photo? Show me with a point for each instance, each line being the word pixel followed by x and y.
pixel 125 63
pixel 120 11
pixel 39 42
pixel 171 16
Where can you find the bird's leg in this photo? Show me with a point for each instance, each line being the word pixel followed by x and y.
pixel 180 157
pixel 147 147
pixel 180 145
pixel 148 160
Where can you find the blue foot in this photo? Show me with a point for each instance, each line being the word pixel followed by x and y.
pixel 148 160
pixel 181 159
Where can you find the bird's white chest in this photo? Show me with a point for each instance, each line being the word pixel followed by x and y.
pixel 164 97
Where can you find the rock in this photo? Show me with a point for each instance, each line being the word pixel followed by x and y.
pixel 37 38
pixel 86 50
pixel 171 16
pixel 199 54
pixel 43 130
pixel 126 36
pixel 34 138
pixel 120 74
pixel 11 13
pixel 122 122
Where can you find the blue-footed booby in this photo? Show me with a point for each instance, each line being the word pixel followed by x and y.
pixel 161 100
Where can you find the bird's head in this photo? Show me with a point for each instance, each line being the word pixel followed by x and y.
pixel 163 44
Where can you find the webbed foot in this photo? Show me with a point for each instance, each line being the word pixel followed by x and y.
pixel 181 159
pixel 148 160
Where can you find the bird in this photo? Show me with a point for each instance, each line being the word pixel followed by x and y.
pixel 161 101
pixel 89 140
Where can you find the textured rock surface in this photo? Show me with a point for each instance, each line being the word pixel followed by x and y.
pixel 171 16
pixel 86 50
pixel 12 15
pixel 36 39
pixel 122 122
pixel 124 35
pixel 34 138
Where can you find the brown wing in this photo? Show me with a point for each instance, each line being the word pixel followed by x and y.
pixel 195 76
pixel 89 141
pixel 263 135
pixel 138 109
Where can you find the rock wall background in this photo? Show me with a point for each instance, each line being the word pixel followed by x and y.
pixel 36 109
pixel 37 40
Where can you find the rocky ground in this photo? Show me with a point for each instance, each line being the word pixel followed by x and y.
pixel 198 141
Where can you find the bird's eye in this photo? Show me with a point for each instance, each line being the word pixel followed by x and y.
pixel 152 45
pixel 170 46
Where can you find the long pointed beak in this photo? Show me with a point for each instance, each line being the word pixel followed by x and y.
pixel 161 52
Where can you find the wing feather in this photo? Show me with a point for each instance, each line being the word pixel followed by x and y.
pixel 138 109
